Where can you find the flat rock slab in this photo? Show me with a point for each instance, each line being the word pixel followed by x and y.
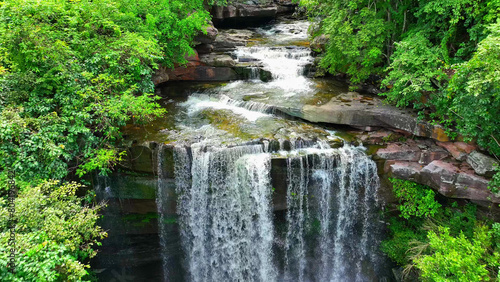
pixel 217 60
pixel 363 111
pixel 449 178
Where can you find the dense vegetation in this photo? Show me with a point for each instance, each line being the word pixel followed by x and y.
pixel 71 74
pixel 440 56
pixel 436 243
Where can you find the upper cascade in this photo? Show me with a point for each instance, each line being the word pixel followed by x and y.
pixel 280 53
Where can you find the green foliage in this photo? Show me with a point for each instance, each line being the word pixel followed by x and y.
pixel 54 234
pixel 357 33
pixel 441 244
pixel 438 55
pixel 74 72
pixel 415 70
pixel 458 258
pixel 415 199
pixel 403 234
pixel 472 99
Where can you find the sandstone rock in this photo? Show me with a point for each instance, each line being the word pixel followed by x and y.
pixel 441 176
pixel 399 152
pixel 160 76
pixel 458 150
pixel 245 11
pixel 473 187
pixel 208 36
pixel 432 153
pixel 238 14
pixel 355 110
pixel 217 60
pixel 202 73
pixel 406 170
pixel 482 164
pixel 227 40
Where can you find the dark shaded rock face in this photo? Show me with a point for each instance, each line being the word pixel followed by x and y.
pixel 208 36
pixel 240 14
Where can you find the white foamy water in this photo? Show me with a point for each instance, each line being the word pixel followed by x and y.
pixel 197 103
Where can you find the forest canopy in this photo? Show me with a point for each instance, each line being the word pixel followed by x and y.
pixel 72 73
pixel 440 56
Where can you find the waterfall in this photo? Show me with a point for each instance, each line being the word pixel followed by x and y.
pixel 331 198
pixel 225 212
pixel 228 230
pixel 249 105
pixel 286 65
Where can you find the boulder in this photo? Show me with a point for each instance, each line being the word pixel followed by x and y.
pixel 440 175
pixel 218 60
pixel 458 150
pixel 399 152
pixel 431 154
pixel 204 48
pixel 405 170
pixel 242 15
pixel 482 164
pixel 228 40
pixel 160 76
pixel 202 73
pixel 450 179
pixel 208 36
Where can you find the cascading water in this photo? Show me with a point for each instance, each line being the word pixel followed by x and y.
pixel 225 193
pixel 331 196
pixel 225 210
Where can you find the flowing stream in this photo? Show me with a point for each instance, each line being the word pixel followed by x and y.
pixel 232 150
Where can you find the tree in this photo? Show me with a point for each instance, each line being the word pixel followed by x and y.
pixel 55 234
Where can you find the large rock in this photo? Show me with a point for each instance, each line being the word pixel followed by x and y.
pixel 229 39
pixel 424 162
pixel 400 152
pixel 482 164
pixel 459 150
pixel 450 179
pixel 405 170
pixel 241 15
pixel 160 75
pixel 204 48
pixel 208 35
pixel 203 73
pixel 441 176
pixel 218 60
pixel 362 111
pixel 195 70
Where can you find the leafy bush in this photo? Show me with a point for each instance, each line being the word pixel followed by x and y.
pixel 55 234
pixel 74 72
pixel 458 258
pixel 415 200
pixel 414 71
pixel 440 244
pixel 472 100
